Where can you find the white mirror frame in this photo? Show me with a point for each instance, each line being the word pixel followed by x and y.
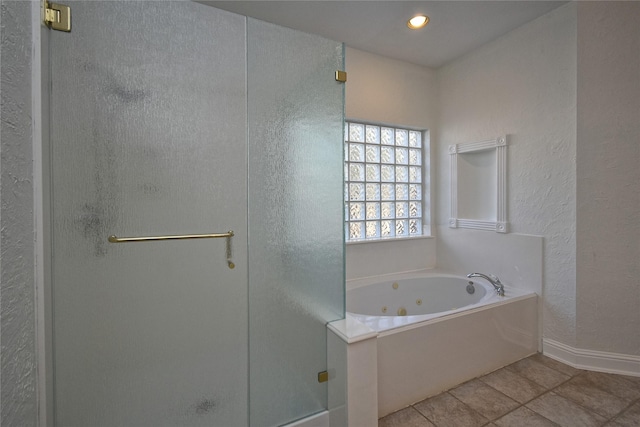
pixel 500 145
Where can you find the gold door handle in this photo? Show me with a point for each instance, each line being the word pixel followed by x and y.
pixel 228 235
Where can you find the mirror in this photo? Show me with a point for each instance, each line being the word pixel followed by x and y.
pixel 479 185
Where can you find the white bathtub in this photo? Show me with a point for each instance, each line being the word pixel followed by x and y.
pixel 393 303
pixel 447 336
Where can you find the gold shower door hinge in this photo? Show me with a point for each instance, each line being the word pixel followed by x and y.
pixel 341 76
pixel 323 377
pixel 57 16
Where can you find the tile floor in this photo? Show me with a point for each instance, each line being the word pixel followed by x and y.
pixel 537 392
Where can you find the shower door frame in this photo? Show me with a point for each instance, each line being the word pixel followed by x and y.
pixel 131 336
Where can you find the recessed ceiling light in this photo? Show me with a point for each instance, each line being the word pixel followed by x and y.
pixel 418 21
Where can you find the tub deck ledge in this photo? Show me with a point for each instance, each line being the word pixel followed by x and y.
pixel 351 330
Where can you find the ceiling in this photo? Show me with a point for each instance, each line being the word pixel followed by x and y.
pixel 456 27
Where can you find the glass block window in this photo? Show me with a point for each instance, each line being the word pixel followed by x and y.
pixel 383 182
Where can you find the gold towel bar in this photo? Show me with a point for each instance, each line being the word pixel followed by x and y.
pixel 115 239
pixel 228 235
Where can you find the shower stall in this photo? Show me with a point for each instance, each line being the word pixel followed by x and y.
pixel 196 184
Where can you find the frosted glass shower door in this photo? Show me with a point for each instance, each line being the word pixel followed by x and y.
pixel 148 138
pixel 296 255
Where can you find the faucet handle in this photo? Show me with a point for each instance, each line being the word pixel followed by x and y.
pixel 495 278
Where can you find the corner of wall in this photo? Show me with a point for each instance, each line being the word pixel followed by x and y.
pixel 608 204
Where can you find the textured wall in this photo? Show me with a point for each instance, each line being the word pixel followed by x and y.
pixel 523 85
pixel 17 317
pixel 608 177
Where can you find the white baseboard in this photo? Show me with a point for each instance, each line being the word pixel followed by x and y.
pixel 591 360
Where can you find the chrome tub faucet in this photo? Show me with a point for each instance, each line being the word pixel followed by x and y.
pixel 499 287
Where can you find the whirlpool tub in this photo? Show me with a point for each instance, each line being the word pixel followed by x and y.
pixel 436 331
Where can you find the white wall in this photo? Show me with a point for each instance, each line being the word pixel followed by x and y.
pixel 523 85
pixel 393 92
pixel 608 177
pixel 18 394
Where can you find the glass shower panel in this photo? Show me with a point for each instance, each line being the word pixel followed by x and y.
pixel 148 137
pixel 296 255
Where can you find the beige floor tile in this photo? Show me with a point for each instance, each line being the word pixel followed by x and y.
pixel 444 410
pixel 615 384
pixel 632 379
pixel 515 396
pixel 629 418
pixel 564 412
pixel 538 373
pixel 484 399
pixel 554 364
pixel 588 394
pixel 407 417
pixel 524 417
pixel 513 385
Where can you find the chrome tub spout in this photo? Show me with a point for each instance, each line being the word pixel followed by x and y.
pixel 498 286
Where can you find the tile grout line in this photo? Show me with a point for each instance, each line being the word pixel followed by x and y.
pixel 580 372
pixel 547 390
pixel 607 419
pixel 616 416
pixel 523 404
pixel 571 377
pixel 554 388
